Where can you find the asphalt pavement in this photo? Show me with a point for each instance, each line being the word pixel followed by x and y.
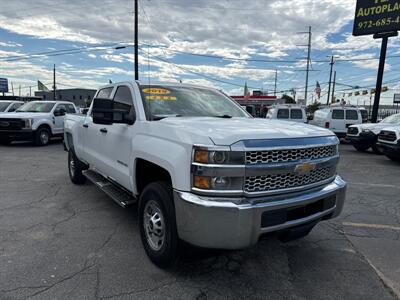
pixel 62 241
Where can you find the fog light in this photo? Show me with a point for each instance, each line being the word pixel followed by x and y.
pixel 201 182
pixel 220 182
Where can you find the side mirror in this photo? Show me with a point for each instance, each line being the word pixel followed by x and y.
pixel 104 113
pixel 59 112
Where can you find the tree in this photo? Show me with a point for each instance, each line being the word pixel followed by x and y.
pixel 288 99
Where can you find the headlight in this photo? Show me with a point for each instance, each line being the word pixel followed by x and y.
pixel 217 169
pixel 28 123
pixel 217 157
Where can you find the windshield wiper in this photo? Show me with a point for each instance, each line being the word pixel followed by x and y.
pixel 224 116
pixel 160 117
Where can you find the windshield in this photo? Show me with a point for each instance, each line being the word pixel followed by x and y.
pixel 164 101
pixel 39 107
pixel 393 119
pixel 4 105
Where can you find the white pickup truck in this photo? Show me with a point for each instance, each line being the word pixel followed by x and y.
pixel 203 170
pixel 36 121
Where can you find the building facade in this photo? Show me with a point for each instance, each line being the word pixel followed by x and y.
pixel 80 97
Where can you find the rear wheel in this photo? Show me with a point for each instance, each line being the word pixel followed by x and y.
pixel 5 141
pixel 158 224
pixel 361 148
pixel 42 136
pixel 75 168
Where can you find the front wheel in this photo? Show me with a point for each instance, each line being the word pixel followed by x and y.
pixel 42 136
pixel 75 168
pixel 394 158
pixel 158 224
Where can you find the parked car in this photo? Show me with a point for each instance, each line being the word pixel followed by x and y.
pixel 389 142
pixel 36 121
pixel 201 168
pixel 9 106
pixel 288 113
pixel 365 136
pixel 337 118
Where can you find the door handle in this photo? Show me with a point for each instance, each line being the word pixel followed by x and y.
pixel 85 125
pixel 104 130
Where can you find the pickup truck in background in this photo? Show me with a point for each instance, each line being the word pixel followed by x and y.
pixel 10 105
pixel 201 169
pixel 36 121
pixel 365 136
pixel 389 142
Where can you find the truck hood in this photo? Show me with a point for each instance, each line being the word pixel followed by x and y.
pixel 23 115
pixel 374 127
pixel 229 131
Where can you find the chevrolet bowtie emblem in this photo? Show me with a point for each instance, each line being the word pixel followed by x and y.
pixel 304 168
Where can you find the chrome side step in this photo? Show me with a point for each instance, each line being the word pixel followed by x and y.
pixel 116 193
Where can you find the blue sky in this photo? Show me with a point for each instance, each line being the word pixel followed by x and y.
pixel 260 30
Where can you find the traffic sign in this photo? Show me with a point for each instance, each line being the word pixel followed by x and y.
pixel 396 98
pixel 3 85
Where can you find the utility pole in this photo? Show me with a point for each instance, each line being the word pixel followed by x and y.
pixel 30 91
pixel 136 42
pixel 276 80
pixel 308 59
pixel 54 82
pixel 333 88
pixel 12 88
pixel 19 90
pixel 330 80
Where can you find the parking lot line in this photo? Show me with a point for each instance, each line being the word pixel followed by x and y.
pixel 375 226
pixel 375 184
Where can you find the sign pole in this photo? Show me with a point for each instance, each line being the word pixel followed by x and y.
pixel 378 88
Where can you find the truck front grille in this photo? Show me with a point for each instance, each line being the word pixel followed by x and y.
pixel 11 124
pixel 289 155
pixel 386 135
pixel 274 182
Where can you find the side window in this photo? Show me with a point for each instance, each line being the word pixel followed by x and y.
pixel 296 113
pixel 70 109
pixel 123 98
pixel 283 113
pixel 351 114
pixel 104 93
pixel 338 114
pixel 59 108
pixel 14 107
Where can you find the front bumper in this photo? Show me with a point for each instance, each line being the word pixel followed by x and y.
pixel 17 135
pixel 212 223
pixel 389 149
pixel 363 139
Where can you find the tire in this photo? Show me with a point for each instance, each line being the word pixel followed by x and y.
pixel 157 215
pixel 5 141
pixel 75 168
pixel 42 136
pixel 394 158
pixel 361 148
pixel 376 149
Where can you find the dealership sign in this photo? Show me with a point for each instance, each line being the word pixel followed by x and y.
pixel 376 16
pixel 3 85
pixel 396 98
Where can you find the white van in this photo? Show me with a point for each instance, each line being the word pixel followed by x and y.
pixel 288 113
pixel 337 119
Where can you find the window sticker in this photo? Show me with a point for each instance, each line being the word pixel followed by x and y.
pixel 161 98
pixel 156 91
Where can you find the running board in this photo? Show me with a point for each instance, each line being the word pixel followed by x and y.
pixel 119 195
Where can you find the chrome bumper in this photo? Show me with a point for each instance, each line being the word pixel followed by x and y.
pixel 214 223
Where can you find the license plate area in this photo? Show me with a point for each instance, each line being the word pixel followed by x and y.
pixel 281 216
